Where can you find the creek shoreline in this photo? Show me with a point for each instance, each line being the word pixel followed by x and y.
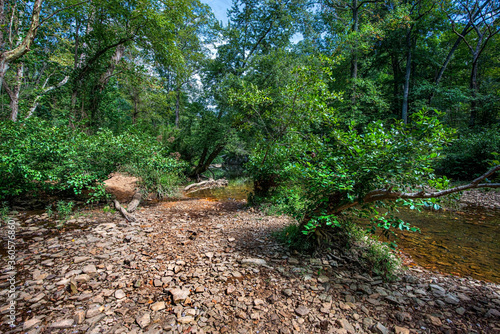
pixel 199 266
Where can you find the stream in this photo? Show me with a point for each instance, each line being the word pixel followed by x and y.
pixel 463 243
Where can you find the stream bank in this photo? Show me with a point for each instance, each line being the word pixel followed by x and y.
pixel 203 266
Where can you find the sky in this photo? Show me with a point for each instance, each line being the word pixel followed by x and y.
pixel 219 7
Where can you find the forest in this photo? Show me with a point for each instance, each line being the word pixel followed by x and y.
pixel 341 114
pixel 327 105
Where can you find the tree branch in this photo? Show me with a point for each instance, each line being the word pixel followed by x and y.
pixel 384 194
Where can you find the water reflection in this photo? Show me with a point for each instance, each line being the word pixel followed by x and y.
pixel 465 243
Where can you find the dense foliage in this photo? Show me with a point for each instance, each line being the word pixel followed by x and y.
pixel 39 157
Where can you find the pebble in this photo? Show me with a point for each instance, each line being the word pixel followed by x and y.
pixel 302 310
pixel 119 294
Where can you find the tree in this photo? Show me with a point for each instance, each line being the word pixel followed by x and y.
pixel 481 16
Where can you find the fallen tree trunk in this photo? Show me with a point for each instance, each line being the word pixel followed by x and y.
pixel 125 214
pixel 209 184
pixel 135 202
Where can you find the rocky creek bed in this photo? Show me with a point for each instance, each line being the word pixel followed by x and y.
pixel 199 266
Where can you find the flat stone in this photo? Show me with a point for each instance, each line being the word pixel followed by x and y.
pixel 434 320
pixel 346 325
pixel 80 259
pixel 158 306
pixel 287 292
pixel 82 278
pixel 258 262
pixel 90 269
pixel 460 310
pixel 323 279
pixel 185 320
pixel 401 330
pixel 493 313
pixel 119 294
pixel 66 323
pixel 381 328
pixel 437 290
pixel 302 310
pixel 31 323
pixel 451 299
pixel 144 320
pixel 179 295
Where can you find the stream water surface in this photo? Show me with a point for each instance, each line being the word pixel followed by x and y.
pixel 465 243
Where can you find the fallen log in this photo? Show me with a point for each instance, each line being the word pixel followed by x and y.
pixel 125 214
pixel 209 184
pixel 134 203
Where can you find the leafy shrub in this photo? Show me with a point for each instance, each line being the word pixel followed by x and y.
pixel 374 256
pixel 159 175
pixel 469 156
pixel 64 209
pixel 36 156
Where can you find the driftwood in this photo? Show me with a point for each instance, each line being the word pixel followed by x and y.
pixel 209 184
pixel 131 207
pixel 135 202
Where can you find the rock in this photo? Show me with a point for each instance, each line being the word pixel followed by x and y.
pixel 185 320
pixel 90 269
pixel 460 310
pixel 31 323
pixel 179 295
pixel 437 290
pixel 119 294
pixel 346 325
pixel 93 312
pixel 258 302
pixel 79 316
pixel 144 320
pixel 323 279
pixel 434 320
pixel 451 299
pixel 302 310
pixel 379 328
pixel 493 313
pixel 287 292
pixel 401 330
pixel 158 306
pixel 230 289
pixel 79 259
pixel 66 323
pixel 83 278
pixel 255 261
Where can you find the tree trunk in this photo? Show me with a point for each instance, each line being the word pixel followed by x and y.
pixel 204 164
pixel 9 56
pixel 355 29
pixel 177 106
pixel 473 88
pixel 13 92
pixel 406 89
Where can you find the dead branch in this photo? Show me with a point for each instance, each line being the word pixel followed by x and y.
pixel 135 202
pixel 125 214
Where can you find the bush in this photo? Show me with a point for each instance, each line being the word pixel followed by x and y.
pixel 36 156
pixel 469 156
pixel 159 175
pixel 350 239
